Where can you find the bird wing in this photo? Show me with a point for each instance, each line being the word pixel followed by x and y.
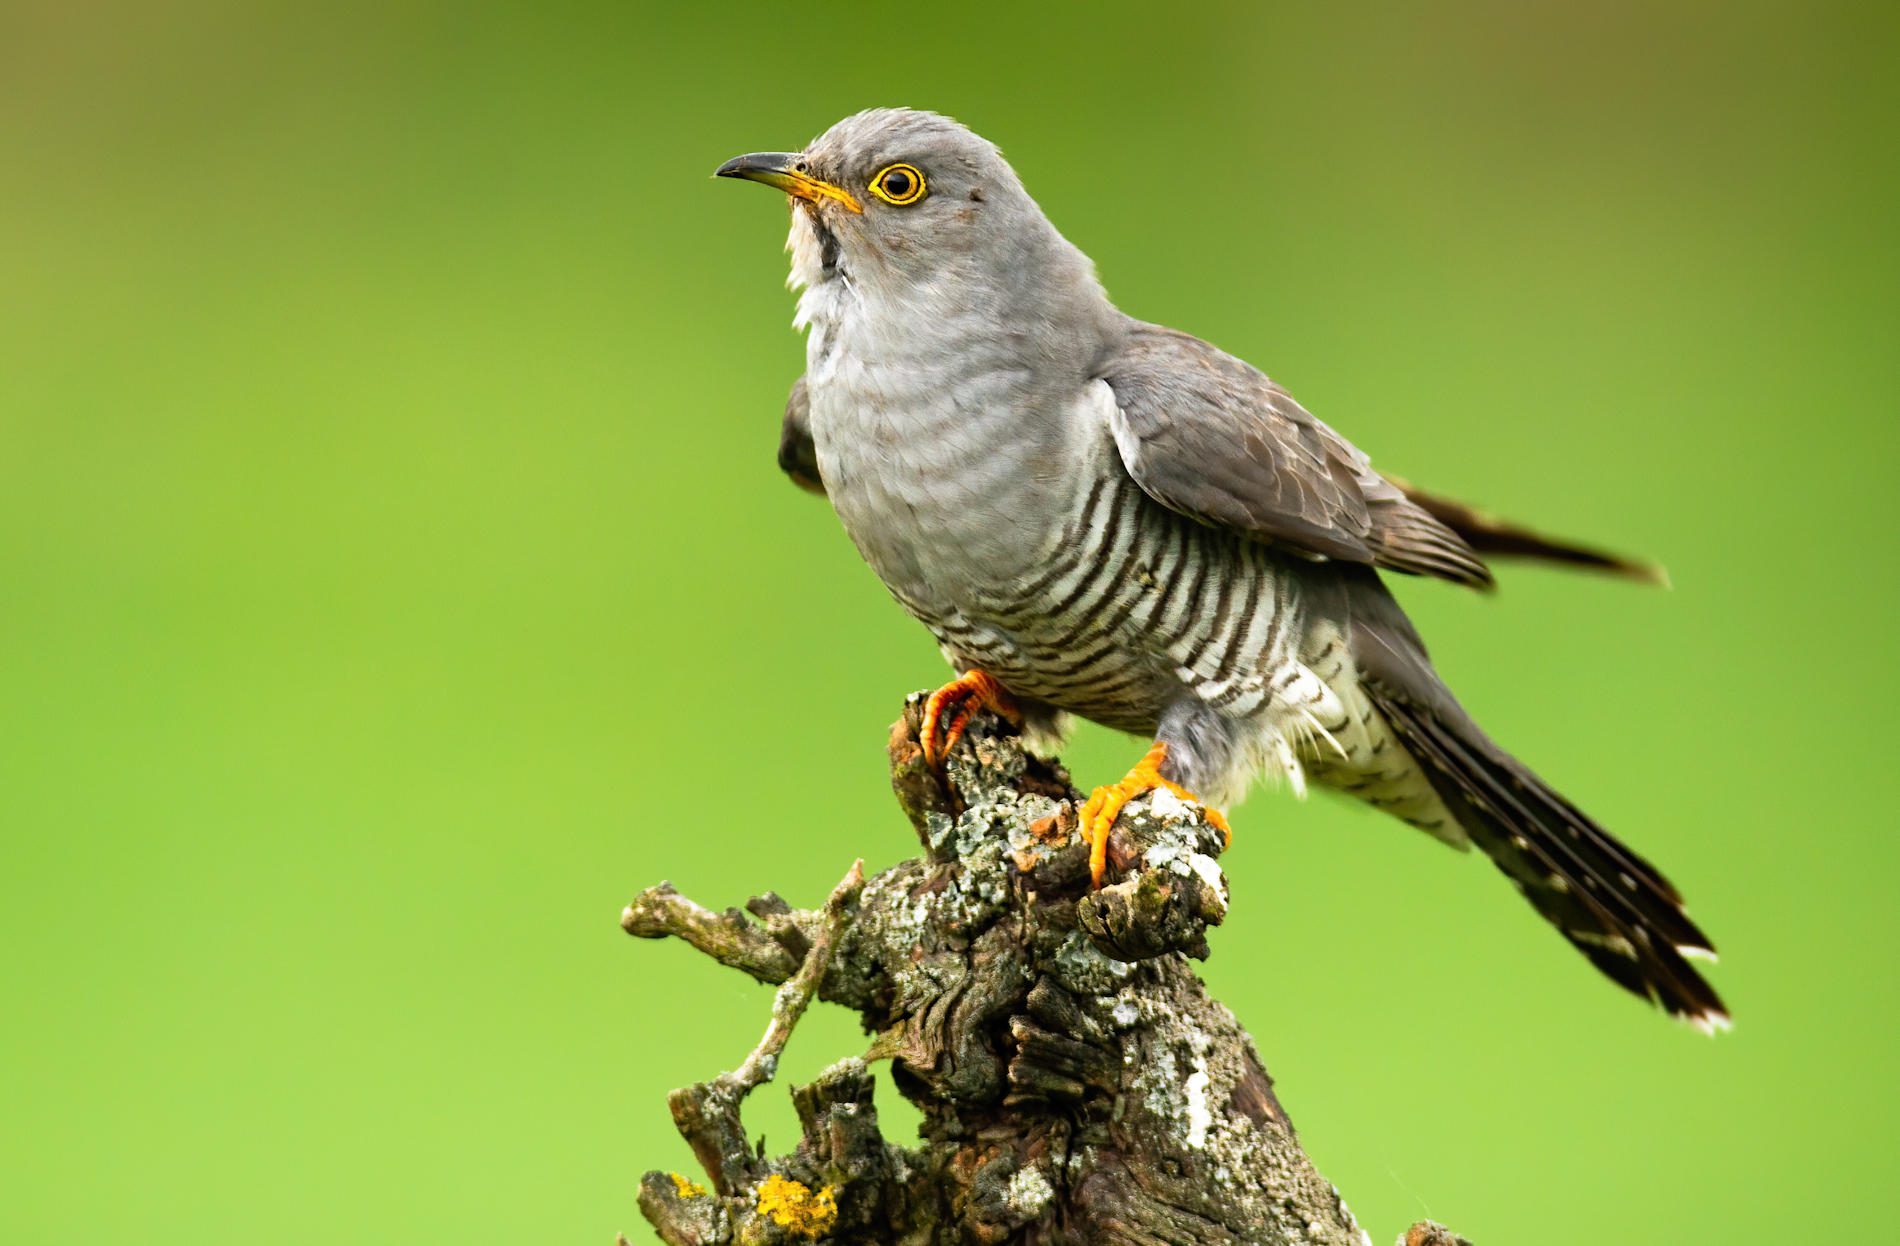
pixel 1208 435
pixel 797 456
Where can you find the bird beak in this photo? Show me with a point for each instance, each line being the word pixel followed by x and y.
pixel 776 168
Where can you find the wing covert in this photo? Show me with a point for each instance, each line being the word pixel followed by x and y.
pixel 1208 435
pixel 797 455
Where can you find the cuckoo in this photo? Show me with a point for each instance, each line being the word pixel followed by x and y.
pixel 1105 518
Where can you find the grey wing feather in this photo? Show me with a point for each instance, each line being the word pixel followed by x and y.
pixel 1208 435
pixel 797 456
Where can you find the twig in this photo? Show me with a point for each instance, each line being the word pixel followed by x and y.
pixel 793 997
pixel 707 1113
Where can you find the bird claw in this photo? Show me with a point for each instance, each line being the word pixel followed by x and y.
pixel 1105 805
pixel 961 698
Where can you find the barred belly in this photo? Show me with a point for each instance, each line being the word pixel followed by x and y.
pixel 1131 608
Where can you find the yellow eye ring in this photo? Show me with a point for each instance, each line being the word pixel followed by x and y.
pixel 899 185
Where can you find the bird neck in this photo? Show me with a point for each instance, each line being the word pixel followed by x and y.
pixel 1033 319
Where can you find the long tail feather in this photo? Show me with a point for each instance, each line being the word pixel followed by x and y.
pixel 1611 904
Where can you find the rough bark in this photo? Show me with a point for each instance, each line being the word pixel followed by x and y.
pixel 1077 1083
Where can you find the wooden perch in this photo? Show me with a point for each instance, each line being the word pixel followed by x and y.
pixel 1077 1083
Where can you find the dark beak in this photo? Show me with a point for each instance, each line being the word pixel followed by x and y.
pixel 780 169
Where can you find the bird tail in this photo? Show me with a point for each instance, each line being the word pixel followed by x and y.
pixel 1611 904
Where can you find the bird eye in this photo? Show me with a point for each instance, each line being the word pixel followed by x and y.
pixel 899 185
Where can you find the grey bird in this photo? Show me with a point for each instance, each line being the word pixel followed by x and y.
pixel 1100 517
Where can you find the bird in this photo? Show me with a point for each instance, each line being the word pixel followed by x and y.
pixel 1104 518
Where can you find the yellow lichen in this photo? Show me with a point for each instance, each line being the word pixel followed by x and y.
pixel 687 1187
pixel 792 1206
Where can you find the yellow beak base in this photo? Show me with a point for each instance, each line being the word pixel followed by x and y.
pixel 780 170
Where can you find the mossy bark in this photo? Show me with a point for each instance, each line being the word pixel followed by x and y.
pixel 1077 1083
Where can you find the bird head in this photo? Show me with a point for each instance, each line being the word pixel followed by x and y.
pixel 894 197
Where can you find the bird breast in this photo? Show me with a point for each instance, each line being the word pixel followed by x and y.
pixel 952 470
pixel 943 489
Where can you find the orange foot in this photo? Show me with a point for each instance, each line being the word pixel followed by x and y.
pixel 1105 805
pixel 961 698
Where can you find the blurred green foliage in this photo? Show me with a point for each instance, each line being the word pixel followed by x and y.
pixel 394 577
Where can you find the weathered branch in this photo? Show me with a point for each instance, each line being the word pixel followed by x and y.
pixel 1076 1081
pixel 726 937
pixel 707 1114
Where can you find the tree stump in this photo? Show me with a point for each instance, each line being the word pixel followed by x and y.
pixel 1077 1083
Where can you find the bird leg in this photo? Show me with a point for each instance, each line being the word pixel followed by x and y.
pixel 961 698
pixel 1105 805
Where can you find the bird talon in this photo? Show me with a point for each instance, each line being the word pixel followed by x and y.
pixel 962 697
pixel 1105 805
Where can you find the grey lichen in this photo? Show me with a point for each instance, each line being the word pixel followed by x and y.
pixel 1077 1084
pixel 1030 1193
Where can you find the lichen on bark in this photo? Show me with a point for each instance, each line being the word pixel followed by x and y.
pixel 1077 1083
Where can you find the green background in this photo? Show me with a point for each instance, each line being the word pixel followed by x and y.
pixel 395 577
